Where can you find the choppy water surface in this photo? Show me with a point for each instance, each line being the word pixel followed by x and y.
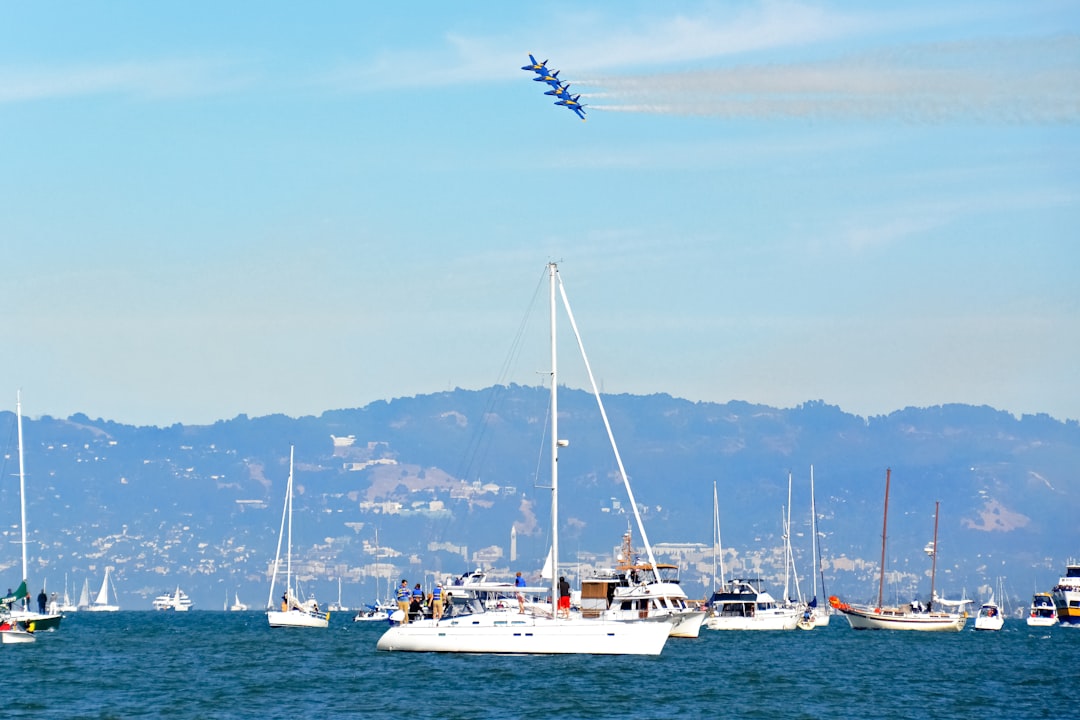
pixel 231 665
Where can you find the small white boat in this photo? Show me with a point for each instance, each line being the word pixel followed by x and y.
pixel 293 612
pixel 15 633
pixel 177 601
pixel 1043 613
pixel 743 604
pixel 989 616
pixel 379 612
pixel 237 606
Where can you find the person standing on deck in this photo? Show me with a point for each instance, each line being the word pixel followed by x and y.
pixel 519 582
pixel 403 596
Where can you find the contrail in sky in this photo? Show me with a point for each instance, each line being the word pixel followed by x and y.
pixel 1023 82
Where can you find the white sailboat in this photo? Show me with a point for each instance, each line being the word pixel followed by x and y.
pixel 293 613
pixel 742 603
pixel 905 617
pixel 380 610
pixel 337 606
pixel 66 606
pixel 237 606
pixel 101 602
pixel 84 596
pixel 819 614
pixel 24 615
pixel 508 631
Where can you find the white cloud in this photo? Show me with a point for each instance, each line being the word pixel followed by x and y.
pixel 145 80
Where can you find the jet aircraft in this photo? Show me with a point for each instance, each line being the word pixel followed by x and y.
pixel 539 68
pixel 562 91
pixel 559 89
pixel 571 103
pixel 551 78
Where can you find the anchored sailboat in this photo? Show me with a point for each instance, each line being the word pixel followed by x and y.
pixel 510 631
pixel 293 613
pixel 101 602
pixel 905 617
pixel 23 614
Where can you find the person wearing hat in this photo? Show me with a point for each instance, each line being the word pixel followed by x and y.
pixel 436 602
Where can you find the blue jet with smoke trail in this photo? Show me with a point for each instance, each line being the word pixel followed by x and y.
pixel 559 89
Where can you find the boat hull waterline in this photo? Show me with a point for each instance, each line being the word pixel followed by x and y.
pixel 860 618
pixel 504 633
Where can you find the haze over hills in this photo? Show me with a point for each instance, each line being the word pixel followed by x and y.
pixel 439 481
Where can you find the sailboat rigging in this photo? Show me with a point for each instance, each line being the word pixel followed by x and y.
pixel 101 602
pixel 293 612
pixel 40 620
pixel 510 631
pixel 904 617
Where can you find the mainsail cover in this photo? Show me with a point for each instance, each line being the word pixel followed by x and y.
pixel 19 594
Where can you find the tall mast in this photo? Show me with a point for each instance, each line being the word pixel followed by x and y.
pixel 884 525
pixel 288 554
pixel 789 562
pixel 933 555
pixel 22 491
pixel 552 270
pixel 813 535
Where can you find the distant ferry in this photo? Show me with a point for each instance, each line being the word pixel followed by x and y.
pixel 177 600
pixel 1067 596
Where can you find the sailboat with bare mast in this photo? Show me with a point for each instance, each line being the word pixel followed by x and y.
pixel 904 617
pixel 23 614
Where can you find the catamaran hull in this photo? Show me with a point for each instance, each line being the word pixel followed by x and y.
pixel 529 636
pixel 930 622
pixel 294 618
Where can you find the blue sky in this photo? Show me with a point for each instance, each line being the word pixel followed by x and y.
pixel 209 209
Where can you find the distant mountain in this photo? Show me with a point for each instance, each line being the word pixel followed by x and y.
pixel 443 478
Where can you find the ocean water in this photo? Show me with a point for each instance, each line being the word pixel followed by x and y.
pixel 206 664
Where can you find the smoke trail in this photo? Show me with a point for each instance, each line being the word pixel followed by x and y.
pixel 1023 81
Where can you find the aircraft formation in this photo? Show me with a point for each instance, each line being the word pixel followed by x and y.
pixel 559 89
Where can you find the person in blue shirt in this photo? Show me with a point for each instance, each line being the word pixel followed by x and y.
pixel 519 582
pixel 403 595
pixel 436 602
